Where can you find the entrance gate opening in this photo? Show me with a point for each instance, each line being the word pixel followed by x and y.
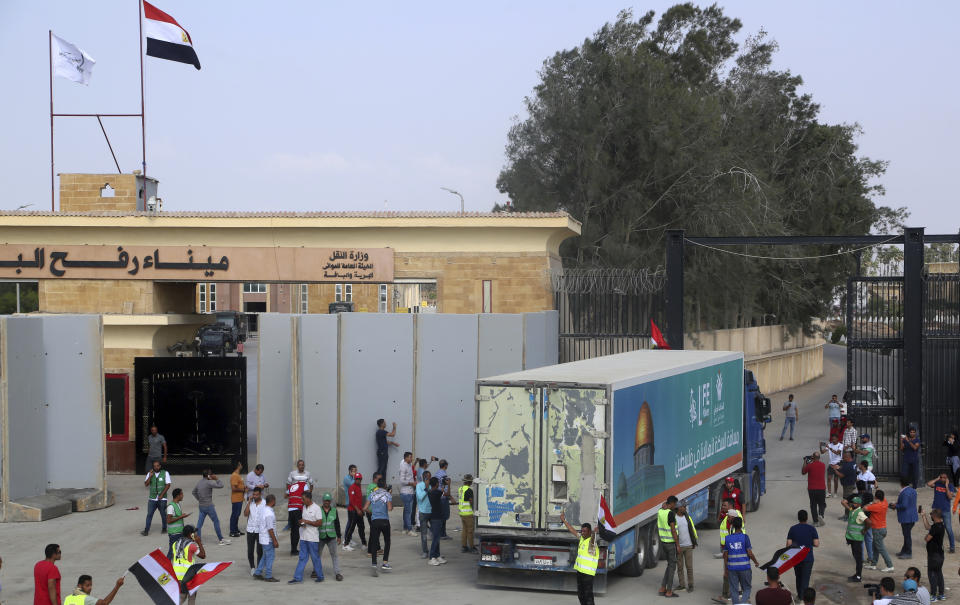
pixel 199 404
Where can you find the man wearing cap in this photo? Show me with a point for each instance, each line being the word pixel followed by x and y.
pixel 856 523
pixel 686 542
pixel 354 513
pixel 466 500
pixel 730 490
pixel 330 535
pixel 728 513
pixel 308 524
pixel 913 575
pixel 910 588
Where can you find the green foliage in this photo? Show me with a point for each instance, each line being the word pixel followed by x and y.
pixel 29 299
pixel 646 127
pixel 839 332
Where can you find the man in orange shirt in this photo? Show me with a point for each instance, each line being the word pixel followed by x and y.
pixel 237 488
pixel 877 512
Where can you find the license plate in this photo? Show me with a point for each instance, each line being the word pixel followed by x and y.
pixel 542 561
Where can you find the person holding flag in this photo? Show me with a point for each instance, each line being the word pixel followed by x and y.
pixel 799 537
pixel 588 558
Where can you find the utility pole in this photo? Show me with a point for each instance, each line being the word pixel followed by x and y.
pixel 456 193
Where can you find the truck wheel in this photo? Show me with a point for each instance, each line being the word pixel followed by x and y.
pixel 652 555
pixel 635 566
pixel 755 490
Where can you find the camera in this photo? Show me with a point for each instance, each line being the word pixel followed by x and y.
pixel 390 488
pixel 807 459
pixel 873 590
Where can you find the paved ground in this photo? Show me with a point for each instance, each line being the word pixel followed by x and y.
pixel 104 543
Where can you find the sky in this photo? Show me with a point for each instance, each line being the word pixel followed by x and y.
pixel 377 106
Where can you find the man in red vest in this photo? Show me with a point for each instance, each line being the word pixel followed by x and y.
pixel 298 481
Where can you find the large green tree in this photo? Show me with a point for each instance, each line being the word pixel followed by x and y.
pixel 649 126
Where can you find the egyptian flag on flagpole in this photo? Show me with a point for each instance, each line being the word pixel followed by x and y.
pixel 659 342
pixel 201 572
pixel 604 516
pixel 157 578
pixel 785 558
pixel 165 38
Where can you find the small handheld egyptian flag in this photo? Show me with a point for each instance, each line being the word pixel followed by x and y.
pixel 785 558
pixel 165 38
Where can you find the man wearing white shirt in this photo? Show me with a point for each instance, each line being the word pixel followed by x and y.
pixel 835 448
pixel 867 476
pixel 254 479
pixel 254 514
pixel 268 540
pixel 309 539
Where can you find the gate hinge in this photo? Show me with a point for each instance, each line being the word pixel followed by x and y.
pixel 480 397
pixel 481 430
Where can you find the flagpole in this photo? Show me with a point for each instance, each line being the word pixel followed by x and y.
pixel 50 51
pixel 143 119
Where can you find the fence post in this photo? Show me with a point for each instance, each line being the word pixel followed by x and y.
pixel 674 294
pixel 913 325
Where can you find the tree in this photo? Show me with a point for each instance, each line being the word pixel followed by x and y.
pixel 645 127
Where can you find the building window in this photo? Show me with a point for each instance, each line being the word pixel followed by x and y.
pixel 382 306
pixel 19 297
pixel 203 298
pixel 304 305
pixel 254 288
pixel 208 297
pixel 343 293
pixel 487 296
pixel 213 297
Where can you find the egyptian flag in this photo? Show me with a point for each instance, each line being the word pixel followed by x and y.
pixel 604 516
pixel 165 38
pixel 659 342
pixel 157 578
pixel 785 558
pixel 201 572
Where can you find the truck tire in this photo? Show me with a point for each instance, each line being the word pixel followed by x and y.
pixel 634 567
pixel 652 556
pixel 754 503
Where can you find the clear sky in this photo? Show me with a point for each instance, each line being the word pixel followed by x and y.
pixel 347 106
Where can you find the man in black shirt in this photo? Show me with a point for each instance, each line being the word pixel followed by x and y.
pixel 383 444
pixel 934 539
pixel 435 495
pixel 847 471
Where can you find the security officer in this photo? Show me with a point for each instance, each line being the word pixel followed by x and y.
pixel 466 497
pixel 588 557
pixel 330 532
pixel 81 595
pixel 667 528
pixel 185 550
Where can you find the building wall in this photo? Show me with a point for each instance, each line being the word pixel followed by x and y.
pixel 97 296
pixel 82 192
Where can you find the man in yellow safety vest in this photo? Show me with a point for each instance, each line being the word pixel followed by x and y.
pixel 466 497
pixel 667 531
pixel 588 558
pixel 81 595
pixel 186 551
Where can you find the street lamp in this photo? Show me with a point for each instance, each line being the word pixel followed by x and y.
pixel 456 193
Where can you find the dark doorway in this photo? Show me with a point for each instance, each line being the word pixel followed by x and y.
pixel 116 402
pixel 199 404
pixel 252 308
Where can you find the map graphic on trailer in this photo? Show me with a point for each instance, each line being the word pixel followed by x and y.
pixel 672 430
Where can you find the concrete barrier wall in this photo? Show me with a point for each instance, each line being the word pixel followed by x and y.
pixel 321 391
pixel 25 418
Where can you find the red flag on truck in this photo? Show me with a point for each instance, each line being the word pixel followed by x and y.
pixel 604 515
pixel 659 341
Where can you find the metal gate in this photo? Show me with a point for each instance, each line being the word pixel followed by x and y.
pixel 606 311
pixel 875 393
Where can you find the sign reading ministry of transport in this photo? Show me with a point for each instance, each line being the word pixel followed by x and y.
pixel 197 263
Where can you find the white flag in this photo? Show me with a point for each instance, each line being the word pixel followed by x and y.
pixel 71 62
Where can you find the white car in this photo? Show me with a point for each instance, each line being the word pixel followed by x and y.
pixel 867 396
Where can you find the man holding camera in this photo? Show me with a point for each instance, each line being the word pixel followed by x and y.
pixel 816 473
pixel 886 591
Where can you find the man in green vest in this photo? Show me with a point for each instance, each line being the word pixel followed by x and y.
pixel 157 483
pixel 667 531
pixel 466 498
pixel 330 532
pixel 588 558
pixel 81 595
pixel 857 522
pixel 175 517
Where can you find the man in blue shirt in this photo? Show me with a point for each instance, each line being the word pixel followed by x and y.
pixel 348 481
pixel 379 505
pixel 943 493
pixel 906 516
pixel 910 446
pixel 737 554
pixel 423 506
pixel 847 471
pixel 803 534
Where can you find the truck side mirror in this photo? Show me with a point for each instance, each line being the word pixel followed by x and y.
pixel 763 407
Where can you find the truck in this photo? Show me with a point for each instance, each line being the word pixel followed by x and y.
pixel 624 430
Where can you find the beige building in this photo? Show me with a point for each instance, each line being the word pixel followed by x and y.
pixel 155 275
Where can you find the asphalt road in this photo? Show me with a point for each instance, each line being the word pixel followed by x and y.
pixel 103 543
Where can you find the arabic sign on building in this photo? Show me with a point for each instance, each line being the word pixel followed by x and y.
pixel 197 263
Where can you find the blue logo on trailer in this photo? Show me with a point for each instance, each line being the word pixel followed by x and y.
pixel 624 546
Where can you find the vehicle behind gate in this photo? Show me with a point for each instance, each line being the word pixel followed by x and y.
pixel 630 428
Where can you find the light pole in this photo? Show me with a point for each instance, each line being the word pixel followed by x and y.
pixel 456 193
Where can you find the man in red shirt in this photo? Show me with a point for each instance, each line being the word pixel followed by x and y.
pixel 774 593
pixel 816 473
pixel 46 578
pixel 354 513
pixel 731 491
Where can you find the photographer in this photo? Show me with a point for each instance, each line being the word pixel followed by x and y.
pixel 887 590
pixel 816 473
